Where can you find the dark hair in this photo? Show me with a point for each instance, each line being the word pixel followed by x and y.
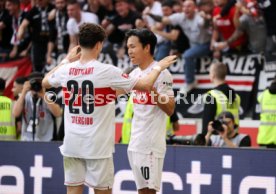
pixel 90 34
pixel 72 2
pixel 20 80
pixel 145 37
pixel 2 84
pixel 117 1
pixel 16 2
pixel 206 2
pixel 36 75
pixel 168 3
pixel 226 114
pixel 199 139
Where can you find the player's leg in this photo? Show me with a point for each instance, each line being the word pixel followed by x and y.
pixel 75 189
pixel 146 191
pixel 108 191
pixel 100 175
pixel 74 173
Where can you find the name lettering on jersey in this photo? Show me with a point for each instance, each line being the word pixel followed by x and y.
pixel 80 120
pixel 78 71
pixel 141 97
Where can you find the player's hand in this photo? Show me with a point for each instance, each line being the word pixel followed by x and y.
pixel 74 54
pixel 167 61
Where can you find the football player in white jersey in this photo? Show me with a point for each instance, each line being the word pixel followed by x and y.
pixel 147 146
pixel 89 97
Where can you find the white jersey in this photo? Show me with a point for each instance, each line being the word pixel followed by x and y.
pixel 148 130
pixel 86 17
pixel 89 101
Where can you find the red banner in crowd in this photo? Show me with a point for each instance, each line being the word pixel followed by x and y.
pixel 13 69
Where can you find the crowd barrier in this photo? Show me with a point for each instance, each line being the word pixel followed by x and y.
pixel 37 168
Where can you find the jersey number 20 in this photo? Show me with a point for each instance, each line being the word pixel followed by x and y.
pixel 86 97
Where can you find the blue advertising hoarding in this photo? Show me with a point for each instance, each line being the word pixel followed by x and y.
pixel 37 168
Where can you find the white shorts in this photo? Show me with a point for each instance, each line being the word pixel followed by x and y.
pixel 147 169
pixel 95 173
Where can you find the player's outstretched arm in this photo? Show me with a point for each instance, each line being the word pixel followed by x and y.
pixel 72 56
pixel 146 83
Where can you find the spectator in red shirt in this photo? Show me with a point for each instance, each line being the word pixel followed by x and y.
pixel 225 26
